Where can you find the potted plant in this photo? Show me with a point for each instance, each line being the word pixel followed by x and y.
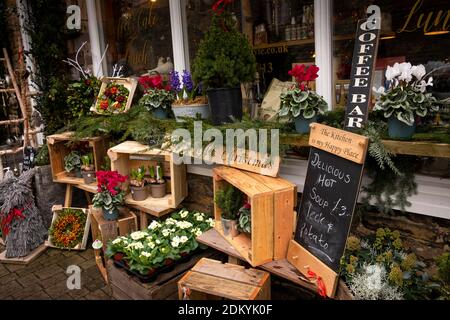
pixel 229 200
pixel 405 99
pixel 157 96
pixel 109 195
pixel 300 103
pixel 72 164
pixel 158 188
pixel 224 60
pixel 137 184
pixel 245 219
pixel 87 168
pixel 188 100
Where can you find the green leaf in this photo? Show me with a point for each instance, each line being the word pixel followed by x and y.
pixel 309 113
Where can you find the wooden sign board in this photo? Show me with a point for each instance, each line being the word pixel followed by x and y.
pixel 329 197
pixel 363 64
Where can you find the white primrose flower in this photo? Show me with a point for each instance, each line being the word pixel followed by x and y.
pixel 184 224
pixel 155 224
pixel 170 222
pixel 184 213
pixel 197 231
pixel 136 245
pixel 175 241
pixel 165 232
pixel 138 235
pixel 199 218
pixel 151 245
pixel 146 254
pixel 183 239
pixel 117 241
pixel 158 241
pixel 211 222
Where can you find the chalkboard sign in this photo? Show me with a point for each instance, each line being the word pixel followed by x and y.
pixel 326 210
pixel 29 158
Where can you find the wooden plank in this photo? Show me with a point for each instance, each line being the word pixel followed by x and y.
pixel 152 206
pixel 342 143
pixel 11 151
pixel 425 149
pixel 218 286
pixel 283 222
pixel 68 197
pixel 302 260
pixel 229 271
pixel 262 229
pixel 23 260
pixel 241 180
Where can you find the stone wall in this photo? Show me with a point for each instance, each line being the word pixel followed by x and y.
pixel 426 236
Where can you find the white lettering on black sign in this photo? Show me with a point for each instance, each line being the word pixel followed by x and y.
pixel 327 204
pixel 363 63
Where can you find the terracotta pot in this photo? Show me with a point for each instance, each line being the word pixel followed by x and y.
pixel 88 176
pixel 139 193
pixel 158 190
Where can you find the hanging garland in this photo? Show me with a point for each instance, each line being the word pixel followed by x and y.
pixel 68 229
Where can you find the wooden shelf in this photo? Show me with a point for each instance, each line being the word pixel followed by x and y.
pixel 62 177
pixel 152 206
pixel 414 148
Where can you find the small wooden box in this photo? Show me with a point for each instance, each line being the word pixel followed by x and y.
pixel 104 230
pixel 58 149
pixel 164 287
pixel 128 83
pixel 131 155
pixel 82 245
pixel 272 201
pixel 212 280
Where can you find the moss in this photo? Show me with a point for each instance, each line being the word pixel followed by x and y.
pixel 409 262
pixel 398 244
pixel 353 243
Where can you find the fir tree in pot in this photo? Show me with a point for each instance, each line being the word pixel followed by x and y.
pixel 229 200
pixel 224 60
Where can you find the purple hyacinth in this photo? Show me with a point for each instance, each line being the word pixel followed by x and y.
pixel 187 81
pixel 174 79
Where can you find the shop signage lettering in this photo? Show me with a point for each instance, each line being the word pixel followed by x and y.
pixel 415 21
pixel 364 57
pixel 331 189
pixel 271 50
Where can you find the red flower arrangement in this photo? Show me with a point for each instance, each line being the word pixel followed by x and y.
pixel 113 99
pixel 110 181
pixel 68 228
pixel 153 82
pixel 303 75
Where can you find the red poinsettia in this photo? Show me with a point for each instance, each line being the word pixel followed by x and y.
pixel 109 180
pixel 303 75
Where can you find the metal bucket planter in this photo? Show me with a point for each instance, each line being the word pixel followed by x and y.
pixel 191 111
pixel 230 227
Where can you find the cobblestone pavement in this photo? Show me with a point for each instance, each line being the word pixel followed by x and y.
pixel 45 278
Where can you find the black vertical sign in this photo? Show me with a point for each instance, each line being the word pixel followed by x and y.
pixel 29 158
pixel 363 64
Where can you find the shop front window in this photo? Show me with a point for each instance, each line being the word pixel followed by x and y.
pixel 415 31
pixel 138 34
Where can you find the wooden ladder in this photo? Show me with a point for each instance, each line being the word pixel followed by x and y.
pixel 15 88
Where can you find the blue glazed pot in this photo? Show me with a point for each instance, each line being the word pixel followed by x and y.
pixel 112 215
pixel 161 113
pixel 302 124
pixel 400 130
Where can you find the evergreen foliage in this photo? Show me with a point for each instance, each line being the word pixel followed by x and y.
pixel 225 57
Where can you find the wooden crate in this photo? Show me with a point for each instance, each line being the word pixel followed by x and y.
pixel 128 83
pixel 272 201
pixel 82 245
pixel 58 148
pixel 210 280
pixel 104 230
pixel 127 287
pixel 131 155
